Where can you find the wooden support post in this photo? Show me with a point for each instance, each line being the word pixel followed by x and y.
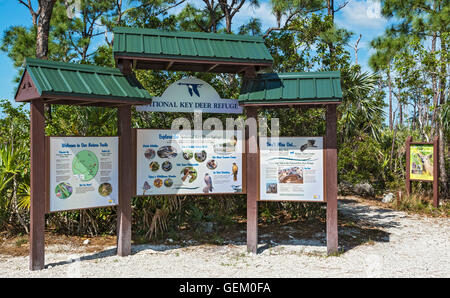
pixel 37 207
pixel 125 182
pixel 436 172
pixel 408 166
pixel 125 66
pixel 331 179
pixel 251 144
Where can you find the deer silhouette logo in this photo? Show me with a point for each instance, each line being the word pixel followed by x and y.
pixel 192 88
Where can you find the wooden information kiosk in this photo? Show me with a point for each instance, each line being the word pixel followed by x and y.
pixel 47 82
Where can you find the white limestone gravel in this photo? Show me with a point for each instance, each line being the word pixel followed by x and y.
pixel 417 246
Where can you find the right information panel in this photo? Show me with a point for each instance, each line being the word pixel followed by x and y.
pixel 292 169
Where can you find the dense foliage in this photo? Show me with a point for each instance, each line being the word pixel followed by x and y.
pixel 306 38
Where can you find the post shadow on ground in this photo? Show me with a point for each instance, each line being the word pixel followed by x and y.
pixel 95 256
pixel 356 226
pixel 112 252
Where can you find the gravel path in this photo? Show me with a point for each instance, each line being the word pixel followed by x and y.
pixel 413 246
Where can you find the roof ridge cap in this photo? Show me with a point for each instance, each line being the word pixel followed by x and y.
pixel 300 74
pixel 69 65
pixel 178 33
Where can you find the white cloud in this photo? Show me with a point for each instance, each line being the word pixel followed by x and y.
pixel 363 44
pixel 359 15
pixel 263 13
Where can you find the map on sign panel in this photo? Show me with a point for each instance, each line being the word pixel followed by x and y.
pixel 85 165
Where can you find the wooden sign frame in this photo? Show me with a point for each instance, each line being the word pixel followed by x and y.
pixel 330 179
pixel 134 165
pixel 47 173
pixel 435 180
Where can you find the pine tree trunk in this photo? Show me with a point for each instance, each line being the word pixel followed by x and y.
pixel 442 100
pixel 226 9
pixel 391 122
pixel 43 28
pixel 330 8
pixel 434 86
pixel 400 113
pixel 228 23
pixel 443 173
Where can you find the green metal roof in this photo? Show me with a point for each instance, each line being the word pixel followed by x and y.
pixel 161 44
pixel 296 87
pixel 69 80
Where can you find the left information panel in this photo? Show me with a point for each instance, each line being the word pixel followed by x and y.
pixel 84 172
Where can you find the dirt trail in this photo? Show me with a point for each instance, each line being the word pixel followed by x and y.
pixel 394 244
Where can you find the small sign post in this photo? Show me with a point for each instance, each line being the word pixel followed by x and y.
pixel 422 164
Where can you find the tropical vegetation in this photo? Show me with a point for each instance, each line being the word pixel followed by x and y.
pixel 409 71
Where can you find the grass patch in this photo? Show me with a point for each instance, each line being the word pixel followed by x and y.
pixel 337 253
pixel 21 241
pixel 421 205
pixel 369 242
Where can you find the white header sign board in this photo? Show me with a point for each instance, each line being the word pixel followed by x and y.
pixel 189 95
pixel 292 169
pixel 84 172
pixel 180 162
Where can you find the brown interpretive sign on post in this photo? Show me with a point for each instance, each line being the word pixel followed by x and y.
pixel 286 175
pixel 70 170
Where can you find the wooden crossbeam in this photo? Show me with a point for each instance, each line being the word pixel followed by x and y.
pixel 169 65
pixel 210 68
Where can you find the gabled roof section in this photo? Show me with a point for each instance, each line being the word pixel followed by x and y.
pixel 292 88
pixel 190 51
pixel 70 83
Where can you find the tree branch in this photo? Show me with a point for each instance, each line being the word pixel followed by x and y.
pixel 169 7
pixel 341 6
pixel 34 14
pixel 291 15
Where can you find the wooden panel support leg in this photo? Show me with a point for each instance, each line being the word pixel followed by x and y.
pixel 125 182
pixel 436 172
pixel 408 165
pixel 251 153
pixel 37 207
pixel 331 179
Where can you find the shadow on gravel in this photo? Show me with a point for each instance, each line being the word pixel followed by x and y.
pixel 362 224
pixel 141 247
pixel 358 225
pixel 369 216
pixel 95 256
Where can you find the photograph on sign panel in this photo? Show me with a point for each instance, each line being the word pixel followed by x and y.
pixel 290 175
pixel 271 187
pixel 421 162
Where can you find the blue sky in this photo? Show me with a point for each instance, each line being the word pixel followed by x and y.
pixel 11 13
pixel 359 16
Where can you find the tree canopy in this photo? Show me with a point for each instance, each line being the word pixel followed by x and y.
pixel 409 76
